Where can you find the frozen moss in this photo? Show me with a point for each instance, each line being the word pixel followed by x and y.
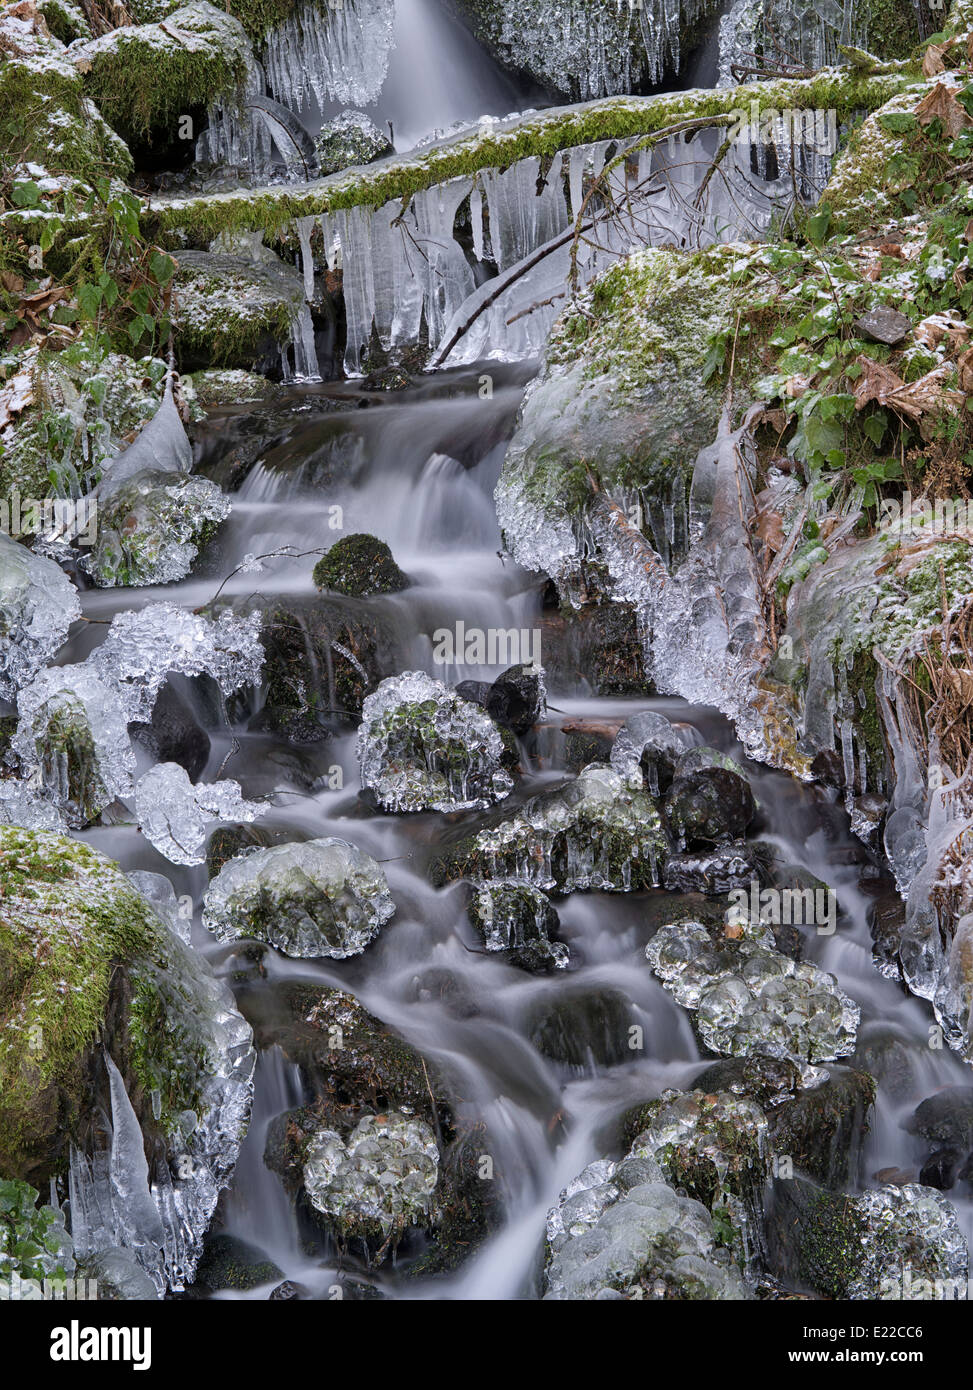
pixel 144 77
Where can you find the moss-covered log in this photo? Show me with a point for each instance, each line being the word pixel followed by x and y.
pixel 847 91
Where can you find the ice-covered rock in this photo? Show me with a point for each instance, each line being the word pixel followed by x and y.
pixel 350 138
pixel 320 898
pixel 516 918
pixel 712 1147
pixel 177 816
pixel 891 1243
pixel 145 645
pixel 596 832
pixel 750 997
pixel 152 527
pixel 73 730
pixel 648 741
pixel 421 747
pixel 380 1180
pixel 618 1231
pixel 38 604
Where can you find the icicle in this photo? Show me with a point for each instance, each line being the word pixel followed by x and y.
pixel 476 220
pixel 339 53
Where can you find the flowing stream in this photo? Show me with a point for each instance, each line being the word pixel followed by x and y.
pixel 417 468
pixel 544 1119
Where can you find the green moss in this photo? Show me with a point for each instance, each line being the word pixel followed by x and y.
pixel 359 566
pixel 227 315
pixel 48 121
pixel 68 920
pixel 144 77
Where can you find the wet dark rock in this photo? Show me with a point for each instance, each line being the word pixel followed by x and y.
pixel 288 1291
pixel 940 1169
pixel 359 566
pixel 474 691
pixel 516 699
pixel 884 325
pixel 886 922
pixel 586 741
pixel 230 1263
pixel 822 1130
pixel 173 735
pixel 596 648
pixel 714 871
pixel 352 1061
pixel 443 987
pixel 890 1057
pixel 814 1237
pixel 710 800
pixel 322 658
pixel 946 1118
pixel 228 841
pixel 828 768
pixel 582 1027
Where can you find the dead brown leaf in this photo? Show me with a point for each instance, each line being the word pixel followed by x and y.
pixel 941 104
pixel 934 61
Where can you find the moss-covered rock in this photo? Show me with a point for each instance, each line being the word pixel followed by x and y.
pixel 231 1263
pixel 152 527
pixel 143 77
pixel 612 411
pixel 233 311
pixel 84 957
pixel 50 125
pixel 822 1130
pixel 359 566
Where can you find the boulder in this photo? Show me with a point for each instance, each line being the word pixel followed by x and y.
pixel 320 898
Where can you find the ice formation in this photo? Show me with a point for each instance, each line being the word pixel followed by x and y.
pixel 516 917
pixel 146 645
pixel 338 54
pixel 651 739
pixel 750 997
pixel 421 747
pixel 715 1148
pixel 176 815
pixel 596 832
pixel 72 736
pixel 908 1229
pixel 618 1231
pixel 382 1179
pixel 38 604
pixel 791 31
pixel 160 1213
pixel 404 269
pixel 73 728
pixel 320 898
pixel 597 49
